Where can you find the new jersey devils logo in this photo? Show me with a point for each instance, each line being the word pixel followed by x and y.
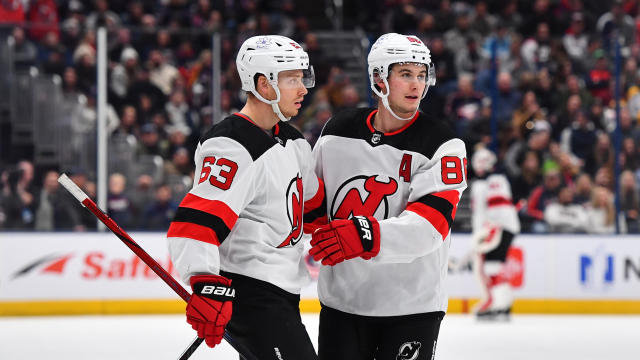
pixel 409 351
pixel 295 201
pixel 363 195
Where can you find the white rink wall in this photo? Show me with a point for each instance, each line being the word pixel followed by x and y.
pixel 94 273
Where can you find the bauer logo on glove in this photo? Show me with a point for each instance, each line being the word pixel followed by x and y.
pixel 346 239
pixel 212 291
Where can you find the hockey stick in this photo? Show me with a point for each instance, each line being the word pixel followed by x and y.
pixel 84 199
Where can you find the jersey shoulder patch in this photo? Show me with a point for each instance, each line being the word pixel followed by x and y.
pixel 348 123
pixel 247 134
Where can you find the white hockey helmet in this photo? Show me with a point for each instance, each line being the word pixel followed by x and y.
pixel 483 161
pixel 393 48
pixel 268 55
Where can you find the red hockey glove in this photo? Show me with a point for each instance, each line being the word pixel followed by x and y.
pixel 346 239
pixel 209 309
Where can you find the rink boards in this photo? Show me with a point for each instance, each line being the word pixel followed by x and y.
pixel 94 273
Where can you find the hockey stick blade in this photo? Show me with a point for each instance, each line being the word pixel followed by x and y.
pixel 84 199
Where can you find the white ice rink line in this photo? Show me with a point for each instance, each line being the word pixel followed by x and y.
pixel 526 337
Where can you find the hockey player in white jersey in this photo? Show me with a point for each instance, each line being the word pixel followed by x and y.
pixel 494 225
pixel 236 237
pixel 393 177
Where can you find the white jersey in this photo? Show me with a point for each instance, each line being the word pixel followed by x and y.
pixel 410 180
pixel 244 212
pixel 491 204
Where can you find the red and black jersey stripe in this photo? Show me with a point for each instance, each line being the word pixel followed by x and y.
pixel 438 208
pixel 315 210
pixel 202 219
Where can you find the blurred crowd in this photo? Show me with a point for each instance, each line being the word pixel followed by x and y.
pixel 544 69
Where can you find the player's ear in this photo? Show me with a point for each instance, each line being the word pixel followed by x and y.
pixel 262 85
pixel 379 82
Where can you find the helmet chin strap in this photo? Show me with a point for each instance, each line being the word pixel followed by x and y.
pixel 273 103
pixel 276 109
pixel 385 100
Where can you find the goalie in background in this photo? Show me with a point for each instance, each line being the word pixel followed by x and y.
pixel 494 225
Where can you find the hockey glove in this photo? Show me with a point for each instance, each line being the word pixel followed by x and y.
pixel 210 306
pixel 346 239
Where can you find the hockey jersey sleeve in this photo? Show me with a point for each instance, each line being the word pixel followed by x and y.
pixel 425 224
pixel 223 186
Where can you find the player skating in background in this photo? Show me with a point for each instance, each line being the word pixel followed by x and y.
pixel 236 236
pixel 494 225
pixel 393 178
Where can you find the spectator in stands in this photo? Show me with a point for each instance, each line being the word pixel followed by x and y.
pixel 564 215
pixel 576 41
pixel 150 142
pixel 25 52
pixel 545 91
pixel 630 201
pixel 578 139
pixel 482 21
pixel 564 116
pixel 11 12
pixel 123 73
pixel 17 197
pixel 583 189
pixel 200 78
pixel 508 97
pixel 616 23
pixel 445 63
pixel 46 203
pixel 178 111
pixel 630 157
pixel 161 74
pixel 43 15
pixel 604 177
pixel 464 105
pixel 141 195
pixel 543 195
pixel 529 177
pixel 134 14
pixel 569 165
pixel 525 117
pixel 72 26
pixel 469 59
pixel 445 17
pixel 575 86
pixel 456 38
pixel 102 16
pixel 52 54
pixel 533 14
pixel 119 207
pixel 536 50
pixel 179 164
pixel 70 86
pixel 599 77
pixel 601 213
pixel 538 142
pixel 144 95
pixel 179 136
pixel 160 212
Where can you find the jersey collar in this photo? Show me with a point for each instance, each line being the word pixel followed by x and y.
pixel 373 130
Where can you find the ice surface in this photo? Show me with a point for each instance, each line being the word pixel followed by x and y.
pixel 564 337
